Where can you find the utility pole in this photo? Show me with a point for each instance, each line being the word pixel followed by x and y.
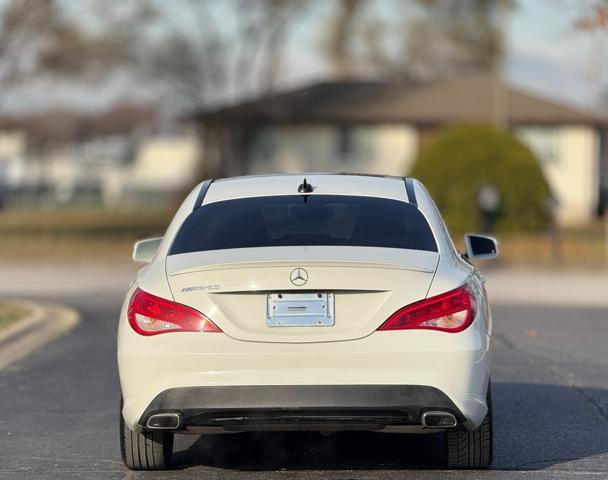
pixel 500 114
pixel 597 22
pixel 606 230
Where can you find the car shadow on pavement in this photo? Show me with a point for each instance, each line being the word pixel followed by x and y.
pixel 313 451
pixel 535 426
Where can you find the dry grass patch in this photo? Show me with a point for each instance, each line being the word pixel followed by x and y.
pixel 11 312
pixel 81 235
pixel 97 235
pixel 585 248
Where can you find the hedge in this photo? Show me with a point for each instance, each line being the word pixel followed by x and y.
pixel 458 160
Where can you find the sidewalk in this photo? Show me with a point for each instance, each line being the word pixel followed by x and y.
pixel 580 288
pixel 65 279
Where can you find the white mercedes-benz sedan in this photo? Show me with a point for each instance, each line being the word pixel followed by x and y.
pixel 315 302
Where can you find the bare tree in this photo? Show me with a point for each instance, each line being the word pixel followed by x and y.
pixel 279 16
pixel 594 17
pixel 217 61
pixel 38 40
pixel 593 20
pixel 422 39
pixel 338 47
pixel 24 24
pixel 456 37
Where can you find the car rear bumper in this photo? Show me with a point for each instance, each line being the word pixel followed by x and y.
pixel 305 407
pixel 196 374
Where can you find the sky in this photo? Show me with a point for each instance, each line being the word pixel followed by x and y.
pixel 545 55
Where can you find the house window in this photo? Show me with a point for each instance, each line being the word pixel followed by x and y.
pixel 543 141
pixel 355 142
pixel 259 143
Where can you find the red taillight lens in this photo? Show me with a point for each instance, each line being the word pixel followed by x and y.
pixel 151 315
pixel 451 312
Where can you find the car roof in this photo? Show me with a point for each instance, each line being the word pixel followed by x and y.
pixel 321 183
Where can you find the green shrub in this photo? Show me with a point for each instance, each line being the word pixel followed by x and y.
pixel 458 160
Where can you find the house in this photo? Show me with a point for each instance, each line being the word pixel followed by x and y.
pixel 12 159
pixel 122 157
pixel 83 172
pixel 120 170
pixel 379 128
pixel 165 165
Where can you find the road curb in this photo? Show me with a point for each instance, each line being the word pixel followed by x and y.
pixel 46 322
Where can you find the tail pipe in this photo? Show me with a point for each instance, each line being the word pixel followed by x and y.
pixel 164 421
pixel 438 419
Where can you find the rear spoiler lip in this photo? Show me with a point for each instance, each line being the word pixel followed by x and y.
pixel 280 263
pixel 419 260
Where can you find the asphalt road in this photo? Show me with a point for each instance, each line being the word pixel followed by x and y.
pixel 59 407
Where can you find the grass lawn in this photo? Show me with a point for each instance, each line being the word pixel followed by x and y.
pixel 11 312
pixel 97 235
pixel 76 235
pixel 585 248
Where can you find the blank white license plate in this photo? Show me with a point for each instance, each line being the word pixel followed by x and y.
pixel 300 310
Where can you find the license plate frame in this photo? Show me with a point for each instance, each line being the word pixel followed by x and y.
pixel 300 309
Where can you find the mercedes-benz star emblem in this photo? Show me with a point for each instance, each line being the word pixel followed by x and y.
pixel 298 276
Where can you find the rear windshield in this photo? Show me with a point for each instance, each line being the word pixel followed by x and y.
pixel 288 220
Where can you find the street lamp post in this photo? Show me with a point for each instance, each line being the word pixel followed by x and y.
pixel 489 201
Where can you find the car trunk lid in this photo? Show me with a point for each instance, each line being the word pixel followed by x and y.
pixel 361 285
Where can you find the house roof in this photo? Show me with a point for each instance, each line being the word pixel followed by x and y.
pixel 463 99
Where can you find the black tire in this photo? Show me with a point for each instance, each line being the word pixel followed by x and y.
pixel 467 449
pixel 146 450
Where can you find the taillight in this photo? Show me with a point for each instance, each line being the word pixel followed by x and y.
pixel 151 315
pixel 452 311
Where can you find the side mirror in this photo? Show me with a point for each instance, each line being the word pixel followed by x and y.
pixel 144 250
pixel 480 247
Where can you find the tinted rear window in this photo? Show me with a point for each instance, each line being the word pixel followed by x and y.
pixel 289 220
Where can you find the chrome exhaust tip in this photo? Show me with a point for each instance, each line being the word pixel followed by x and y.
pixel 164 421
pixel 438 419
